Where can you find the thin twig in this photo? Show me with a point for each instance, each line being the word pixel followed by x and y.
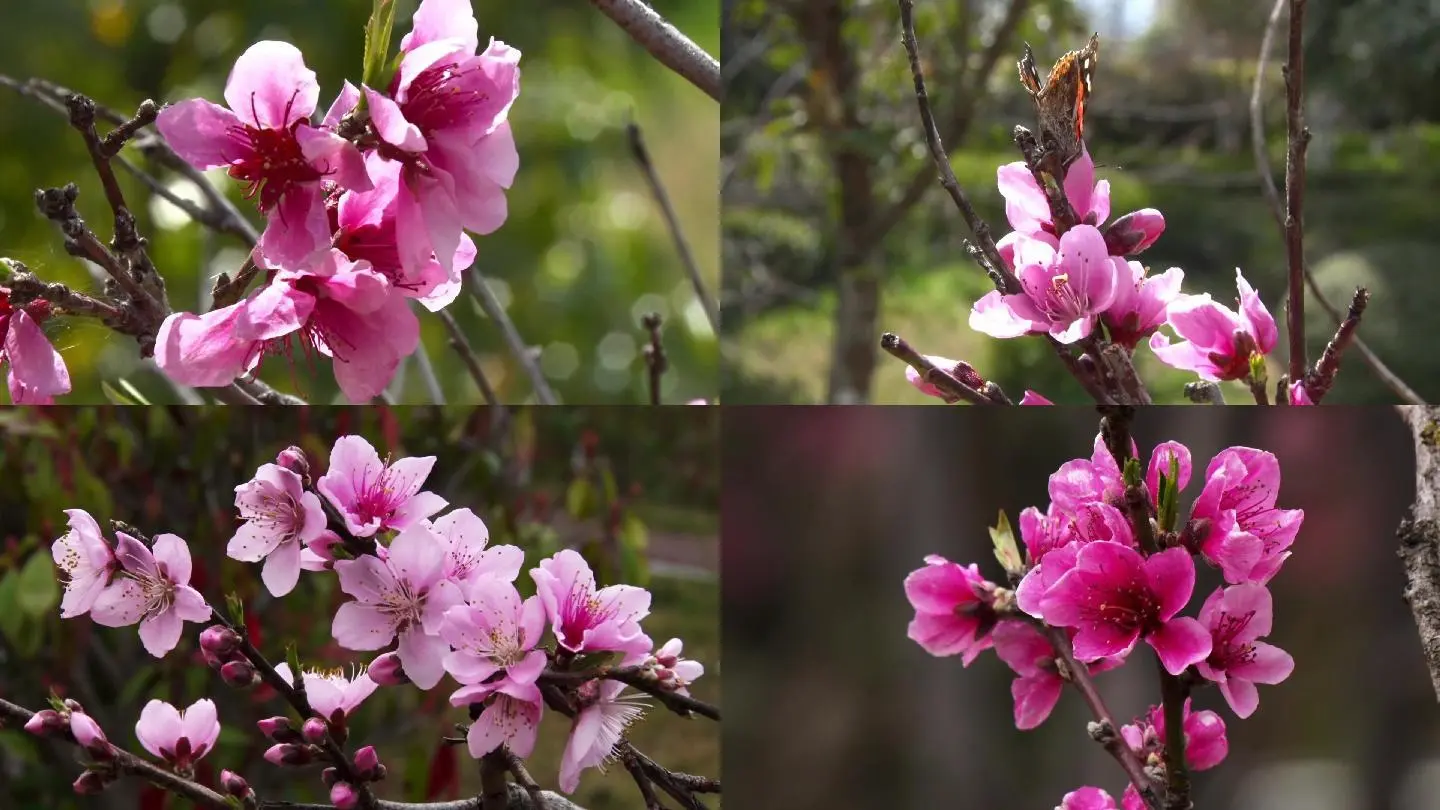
pixel 462 347
pixel 1298 138
pixel 672 222
pixel 490 305
pixel 655 360
pixel 1318 383
pixel 641 678
pixel 950 385
pixel 664 42
pixel 1173 693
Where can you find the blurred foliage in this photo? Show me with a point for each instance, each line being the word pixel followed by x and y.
pixel 1169 127
pixel 582 256
pixel 649 475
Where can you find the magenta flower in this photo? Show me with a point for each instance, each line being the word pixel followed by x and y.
pixel 154 590
pixel 1029 211
pixel 496 632
pixel 1053 544
pixel 1159 465
pixel 1219 341
pixel 953 608
pixel 1065 287
pixel 1114 597
pixel 332 694
pixel 1299 395
pixel 179 738
pixel 467 558
pixel 37 372
pixel 1037 684
pixel 1205 741
pixel 675 672
pixel 266 140
pixel 280 517
pixel 586 619
pixel 340 308
pixel 1248 537
pixel 1237 617
pixel 87 561
pixel 372 496
pixel 603 718
pixel 1141 306
pixel 407 596
pixel 1083 481
pixel 1087 798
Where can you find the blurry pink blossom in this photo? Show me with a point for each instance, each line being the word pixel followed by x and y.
pixel 37 372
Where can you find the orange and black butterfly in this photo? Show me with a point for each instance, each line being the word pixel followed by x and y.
pixel 1060 101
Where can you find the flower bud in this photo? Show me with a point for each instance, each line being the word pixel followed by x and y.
pixel 329 776
pixel 235 784
pixel 387 671
pixel 278 729
pixel 293 459
pixel 1133 232
pixel 288 754
pixel 90 783
pixel 45 723
pixel 239 674
pixel 314 730
pixel 367 763
pixel 343 796
pixel 87 732
pixel 219 641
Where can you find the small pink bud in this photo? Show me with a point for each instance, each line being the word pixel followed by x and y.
pixel 293 459
pixel 343 796
pixel 367 762
pixel 288 754
pixel 386 670
pixel 45 722
pixel 278 729
pixel 87 732
pixel 1133 232
pixel 235 784
pixel 90 783
pixel 239 674
pixel 314 730
pixel 220 641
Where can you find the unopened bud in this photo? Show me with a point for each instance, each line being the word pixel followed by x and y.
pixel 314 730
pixel 219 641
pixel 1133 232
pixel 367 763
pixel 343 796
pixel 387 671
pixel 329 776
pixel 278 729
pixel 293 459
pixel 90 783
pixel 88 733
pixel 288 754
pixel 235 785
pixel 45 723
pixel 239 674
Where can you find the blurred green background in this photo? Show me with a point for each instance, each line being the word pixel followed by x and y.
pixel 1168 125
pixel 546 478
pixel 582 256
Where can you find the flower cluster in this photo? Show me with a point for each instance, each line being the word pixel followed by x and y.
pixel 1086 581
pixel 427 589
pixel 1082 281
pixel 364 210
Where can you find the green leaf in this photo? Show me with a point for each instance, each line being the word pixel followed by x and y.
pixel 1133 474
pixel 122 393
pixel 580 498
pixel 1007 552
pixel 1170 496
pixel 634 540
pixel 377 43
pixel 237 610
pixel 38 590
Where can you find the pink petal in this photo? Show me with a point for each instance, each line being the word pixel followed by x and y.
pixel 175 554
pixel 421 656
pixel 1242 696
pixel 1180 643
pixel 391 125
pixel 120 605
pixel 1171 575
pixel 443 19
pixel 1035 697
pixel 282 568
pixel 271 87
pixel 204 350
pixel 204 134
pixel 995 315
pixel 1249 598
pixel 1270 665
pixel 37 371
pixel 201 726
pixel 160 633
pixel 1025 203
pixel 367 578
pixel 190 605
pixel 334 157
pixel 346 101
pixel 359 626
pixel 1258 320
pixel 159 727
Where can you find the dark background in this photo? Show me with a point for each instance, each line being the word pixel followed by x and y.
pixel 827 509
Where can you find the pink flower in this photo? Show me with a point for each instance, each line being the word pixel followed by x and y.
pixel 1038 684
pixel 586 619
pixel 1299 395
pixel 340 308
pixel 154 590
pixel 1141 306
pixel 279 517
pixel 1160 459
pixel 343 796
pixel 89 735
pixel 953 612
pixel 673 671
pixel 1248 537
pixel 446 119
pixel 87 561
pixel 1205 742
pixel 603 718
pixel 467 559
pixel 496 632
pixel 1220 341
pixel 1032 398
pixel 1114 597
pixel 372 496
pixel 511 718
pixel 1065 287
pixel 961 370
pixel 407 596
pixel 1236 617
pixel 37 371
pixel 266 140
pixel 179 738
pixel 332 694
pixel 1087 798
pixel 1029 211
pixel 1081 481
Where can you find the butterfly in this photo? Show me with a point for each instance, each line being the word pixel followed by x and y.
pixel 1060 101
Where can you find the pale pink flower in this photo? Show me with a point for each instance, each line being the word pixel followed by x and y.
pixel 1087 798
pixel 953 608
pixel 672 670
pixel 1141 306
pixel 265 139
pixel 405 595
pixel 1114 597
pixel 332 694
pixel 1029 211
pixel 603 718
pixel 1065 286
pixel 1248 537
pixel 511 718
pixel 468 559
pixel 1219 341
pixel 280 516
pixel 179 738
pixel 1237 617
pixel 586 619
pixel 89 735
pixel 495 632
pixel 154 590
pixel 87 561
pixel 372 496
pixel 37 372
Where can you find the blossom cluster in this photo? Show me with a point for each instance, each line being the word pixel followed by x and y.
pixel 364 210
pixel 1081 280
pixel 426 589
pixel 1086 581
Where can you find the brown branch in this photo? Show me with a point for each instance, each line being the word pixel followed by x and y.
pixel 1173 693
pixel 638 677
pixel 655 359
pixel 664 42
pixel 953 387
pixel 490 305
pixel 461 345
pixel 1318 382
pixel 1298 138
pixel 1419 535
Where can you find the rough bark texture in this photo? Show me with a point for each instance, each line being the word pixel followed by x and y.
pixel 1419 535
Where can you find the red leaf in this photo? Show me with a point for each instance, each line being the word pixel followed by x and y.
pixel 444 781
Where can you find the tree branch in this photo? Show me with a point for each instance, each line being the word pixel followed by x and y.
pixel 1419 535
pixel 664 42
